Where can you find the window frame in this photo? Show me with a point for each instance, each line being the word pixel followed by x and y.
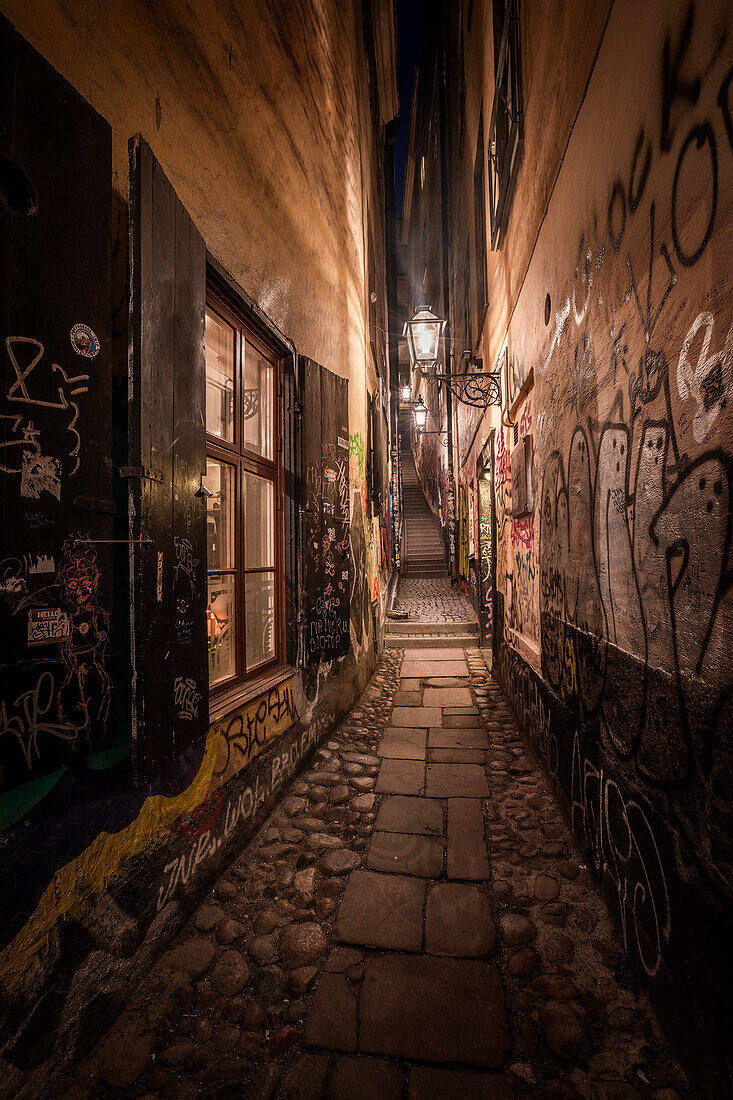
pixel 502 177
pixel 229 692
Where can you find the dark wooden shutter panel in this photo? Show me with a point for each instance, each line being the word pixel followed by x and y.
pixel 326 537
pixel 168 460
pixel 55 420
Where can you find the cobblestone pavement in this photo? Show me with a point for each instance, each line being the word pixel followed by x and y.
pixel 432 600
pixel 412 921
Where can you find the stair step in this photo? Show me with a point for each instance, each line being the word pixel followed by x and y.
pixel 431 641
pixel 410 626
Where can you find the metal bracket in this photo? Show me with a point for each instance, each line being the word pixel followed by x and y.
pixel 141 472
pixel 472 387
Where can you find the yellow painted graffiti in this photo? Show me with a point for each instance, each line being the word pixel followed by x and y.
pixel 243 736
pixel 569 683
pixel 230 746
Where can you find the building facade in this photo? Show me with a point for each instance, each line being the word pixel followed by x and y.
pixel 196 473
pixel 574 225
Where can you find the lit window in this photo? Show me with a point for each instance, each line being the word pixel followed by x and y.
pixel 245 600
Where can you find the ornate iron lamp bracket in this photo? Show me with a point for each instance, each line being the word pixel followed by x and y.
pixel 477 388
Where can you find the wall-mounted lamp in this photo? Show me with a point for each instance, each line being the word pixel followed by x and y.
pixel 423 334
pixel 420 413
pixel 472 386
pixel 406 392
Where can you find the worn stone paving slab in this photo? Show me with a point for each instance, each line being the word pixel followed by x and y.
pixel 382 911
pixel 400 748
pixel 439 738
pixel 460 721
pixel 430 656
pixel 408 698
pixel 434 1010
pixel 410 815
pixel 436 668
pixel 366 1078
pixel 403 743
pixel 446 697
pixel 466 856
pixel 432 1083
pixel 401 777
pixel 332 1019
pixel 406 853
pixel 457 756
pixel 458 921
pixel 419 717
pixel 455 781
pixel 306 1080
pixel 416 735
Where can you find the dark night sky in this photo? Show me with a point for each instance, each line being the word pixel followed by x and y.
pixel 409 14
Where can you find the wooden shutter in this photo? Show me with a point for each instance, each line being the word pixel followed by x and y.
pixel 168 460
pixel 326 541
pixel 55 420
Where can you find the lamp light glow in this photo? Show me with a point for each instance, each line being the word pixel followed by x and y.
pixel 423 334
pixel 420 412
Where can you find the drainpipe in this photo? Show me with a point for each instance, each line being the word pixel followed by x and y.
pixel 444 199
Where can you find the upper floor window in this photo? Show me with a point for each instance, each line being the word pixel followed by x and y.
pixel 243 475
pixel 505 134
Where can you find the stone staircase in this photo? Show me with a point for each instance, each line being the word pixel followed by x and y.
pixel 406 634
pixel 425 555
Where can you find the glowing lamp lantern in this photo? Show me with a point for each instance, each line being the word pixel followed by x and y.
pixel 423 334
pixel 406 392
pixel 420 412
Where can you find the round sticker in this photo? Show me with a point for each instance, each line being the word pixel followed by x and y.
pixel 84 341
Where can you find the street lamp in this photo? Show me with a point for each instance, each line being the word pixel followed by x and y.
pixel 420 412
pixel 406 392
pixel 423 334
pixel 473 386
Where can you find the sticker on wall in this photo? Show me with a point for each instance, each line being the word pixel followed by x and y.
pixel 159 582
pixel 40 473
pixel 47 624
pixel 84 341
pixel 42 564
pixel 343 443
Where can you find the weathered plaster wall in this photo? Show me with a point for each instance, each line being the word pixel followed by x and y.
pixel 260 115
pixel 615 620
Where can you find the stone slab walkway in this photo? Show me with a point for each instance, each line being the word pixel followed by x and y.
pixel 412 922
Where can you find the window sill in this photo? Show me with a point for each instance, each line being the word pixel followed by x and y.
pixel 237 697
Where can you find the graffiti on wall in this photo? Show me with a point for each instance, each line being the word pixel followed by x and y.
pixel 463 533
pixel 627 565
pixel 210 825
pixel 244 735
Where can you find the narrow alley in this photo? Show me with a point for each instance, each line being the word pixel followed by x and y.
pixel 366 530
pixel 413 919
